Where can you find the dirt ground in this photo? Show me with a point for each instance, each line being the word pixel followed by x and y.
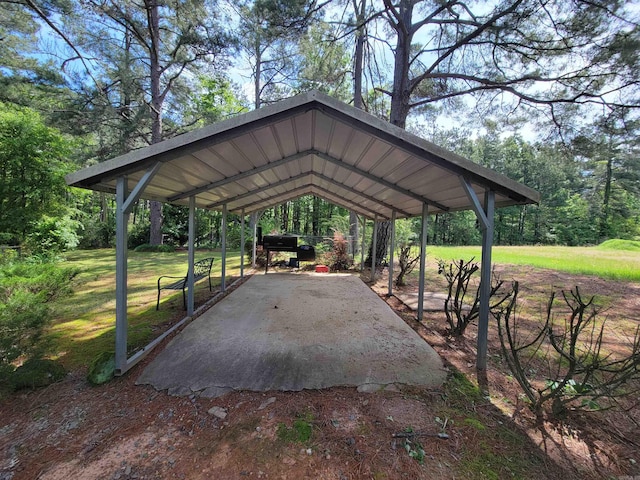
pixel 123 431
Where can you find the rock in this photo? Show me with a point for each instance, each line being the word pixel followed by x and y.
pixel 266 403
pixel 218 412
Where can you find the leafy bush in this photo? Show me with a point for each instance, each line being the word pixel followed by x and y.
pixel 26 289
pixel 37 372
pixel 102 368
pixel 52 235
pixel 155 248
pixel 138 234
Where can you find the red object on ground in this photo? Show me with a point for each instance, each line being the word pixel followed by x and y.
pixel 322 269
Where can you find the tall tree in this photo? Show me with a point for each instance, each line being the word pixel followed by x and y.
pixel 32 168
pixel 270 30
pixel 169 37
pixel 534 52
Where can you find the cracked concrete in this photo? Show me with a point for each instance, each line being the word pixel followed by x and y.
pixel 286 331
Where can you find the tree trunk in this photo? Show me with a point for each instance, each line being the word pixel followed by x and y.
pixel 604 220
pixel 315 222
pixel 382 243
pixel 353 231
pixel 155 235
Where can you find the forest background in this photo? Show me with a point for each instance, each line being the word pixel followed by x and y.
pixel 542 91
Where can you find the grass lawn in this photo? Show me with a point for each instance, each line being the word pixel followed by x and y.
pixel 84 324
pixel 605 263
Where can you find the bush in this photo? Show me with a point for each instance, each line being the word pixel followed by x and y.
pixel 338 258
pixel 155 248
pixel 139 234
pixel 37 372
pixel 102 368
pixel 52 235
pixel 26 289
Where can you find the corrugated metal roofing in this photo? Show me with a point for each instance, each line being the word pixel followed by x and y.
pixel 308 144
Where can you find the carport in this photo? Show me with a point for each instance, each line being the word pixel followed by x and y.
pixel 310 144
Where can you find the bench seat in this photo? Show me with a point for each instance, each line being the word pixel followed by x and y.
pixel 201 270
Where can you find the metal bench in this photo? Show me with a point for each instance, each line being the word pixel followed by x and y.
pixel 201 269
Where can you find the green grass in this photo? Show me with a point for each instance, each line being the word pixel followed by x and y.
pixel 597 261
pixel 84 323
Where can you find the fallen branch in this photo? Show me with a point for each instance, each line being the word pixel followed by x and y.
pixel 441 435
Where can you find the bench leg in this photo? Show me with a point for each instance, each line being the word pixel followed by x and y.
pixel 184 298
pixel 158 302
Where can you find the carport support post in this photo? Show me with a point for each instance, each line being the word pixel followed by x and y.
pixel 242 243
pixel 373 249
pixel 423 260
pixel 223 227
pixel 392 246
pixel 364 231
pixel 254 227
pixel 122 222
pixel 485 279
pixel 191 255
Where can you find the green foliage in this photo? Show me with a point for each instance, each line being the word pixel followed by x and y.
pixel 138 234
pixel 32 171
pixel 299 432
pixel 53 235
pixel 145 247
pixel 37 372
pixel 102 368
pixel 26 290
pixel 414 449
pixel 218 101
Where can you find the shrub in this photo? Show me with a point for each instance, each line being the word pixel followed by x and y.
pixel 102 368
pixel 52 235
pixel 155 248
pixel 458 311
pixel 26 289
pixel 338 258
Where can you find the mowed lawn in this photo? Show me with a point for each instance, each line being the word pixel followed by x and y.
pixel 84 323
pixel 597 261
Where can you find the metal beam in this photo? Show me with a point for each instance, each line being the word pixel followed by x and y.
pixel 475 202
pixel 310 189
pixel 257 190
pixel 361 194
pixel 485 280
pixel 381 181
pixel 242 244
pixel 285 195
pixel 239 176
pixel 191 256
pixel 364 231
pixel 223 227
pixel 392 246
pixel 423 260
pixel 137 191
pixel 122 324
pixel 374 246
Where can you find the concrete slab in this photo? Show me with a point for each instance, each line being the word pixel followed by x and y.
pixel 291 332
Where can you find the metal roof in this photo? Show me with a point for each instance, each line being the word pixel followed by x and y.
pixel 310 144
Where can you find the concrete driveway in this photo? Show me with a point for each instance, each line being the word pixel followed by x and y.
pixel 287 331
